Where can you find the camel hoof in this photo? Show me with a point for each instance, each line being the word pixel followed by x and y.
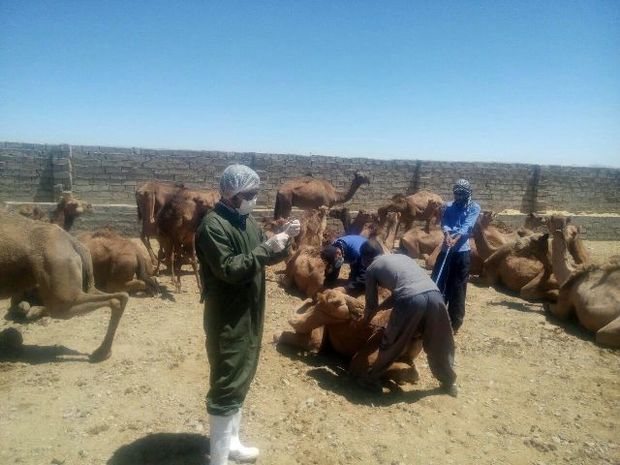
pixel 99 355
pixel 276 336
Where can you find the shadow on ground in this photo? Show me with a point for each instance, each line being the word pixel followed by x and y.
pixel 35 355
pixel 163 449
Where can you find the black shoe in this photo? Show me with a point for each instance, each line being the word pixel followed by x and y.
pixel 451 389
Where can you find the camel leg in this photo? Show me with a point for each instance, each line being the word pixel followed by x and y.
pixel 145 240
pixel 309 341
pixel 563 307
pixel 195 266
pixel 86 303
pixel 609 335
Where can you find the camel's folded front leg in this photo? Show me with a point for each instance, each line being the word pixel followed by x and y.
pixel 609 335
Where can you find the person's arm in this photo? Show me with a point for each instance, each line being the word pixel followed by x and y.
pixel 277 256
pixel 232 268
pixel 468 225
pixel 371 295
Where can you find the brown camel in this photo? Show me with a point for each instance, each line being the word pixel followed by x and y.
pixel 421 206
pixel 384 232
pixel 177 222
pixel 335 319
pixel 363 223
pixel 119 263
pixel 67 211
pixel 305 270
pixel 591 292
pixel 308 192
pixel 150 198
pixel 43 256
pixel 523 266
pixel 313 225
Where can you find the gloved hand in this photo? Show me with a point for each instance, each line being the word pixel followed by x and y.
pixel 277 243
pixel 292 228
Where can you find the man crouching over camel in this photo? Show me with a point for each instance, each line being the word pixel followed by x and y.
pixel 418 307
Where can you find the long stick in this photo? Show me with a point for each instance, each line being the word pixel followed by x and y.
pixel 443 263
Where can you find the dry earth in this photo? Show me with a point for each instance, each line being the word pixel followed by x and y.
pixel 532 391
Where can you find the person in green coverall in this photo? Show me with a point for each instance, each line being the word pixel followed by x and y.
pixel 233 252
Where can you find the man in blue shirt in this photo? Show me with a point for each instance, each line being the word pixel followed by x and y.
pixel 345 249
pixel 451 270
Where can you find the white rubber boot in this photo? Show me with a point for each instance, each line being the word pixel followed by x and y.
pixel 239 452
pixel 219 443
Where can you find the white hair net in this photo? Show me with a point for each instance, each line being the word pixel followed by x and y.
pixel 238 178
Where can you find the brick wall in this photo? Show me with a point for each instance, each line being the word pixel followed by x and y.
pixel 108 175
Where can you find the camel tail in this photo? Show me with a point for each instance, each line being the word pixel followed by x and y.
pixel 152 286
pixel 88 275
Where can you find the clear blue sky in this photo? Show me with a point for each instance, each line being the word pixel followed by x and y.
pixel 511 81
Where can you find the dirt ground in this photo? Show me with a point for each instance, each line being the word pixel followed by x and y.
pixel 532 391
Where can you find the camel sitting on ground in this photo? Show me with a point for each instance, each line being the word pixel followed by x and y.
pixel 67 211
pixel 309 192
pixel 523 266
pixel 591 292
pixel 313 225
pixel 336 319
pixel 151 196
pixel 43 256
pixel 305 270
pixel 177 222
pixel 119 263
pixel 421 206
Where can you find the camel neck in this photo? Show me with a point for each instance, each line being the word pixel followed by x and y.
pixel 559 258
pixel 485 250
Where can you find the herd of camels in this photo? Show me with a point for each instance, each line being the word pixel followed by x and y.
pixel 44 269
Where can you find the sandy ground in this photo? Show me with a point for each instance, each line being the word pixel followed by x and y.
pixel 532 391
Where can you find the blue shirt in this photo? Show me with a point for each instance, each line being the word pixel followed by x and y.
pixel 458 220
pixel 351 247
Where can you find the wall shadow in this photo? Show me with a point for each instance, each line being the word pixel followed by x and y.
pixel 163 449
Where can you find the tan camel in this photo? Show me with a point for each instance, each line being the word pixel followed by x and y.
pixel 150 198
pixel 591 292
pixel 120 264
pixel 421 206
pixel 523 266
pixel 308 192
pixel 67 211
pixel 384 232
pixel 43 256
pixel 336 319
pixel 177 222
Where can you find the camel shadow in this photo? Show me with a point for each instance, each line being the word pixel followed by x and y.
pixel 330 371
pixel 344 385
pixel 525 307
pixel 571 326
pixel 163 449
pixel 36 355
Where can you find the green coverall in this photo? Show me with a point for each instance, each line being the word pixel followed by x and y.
pixel 232 257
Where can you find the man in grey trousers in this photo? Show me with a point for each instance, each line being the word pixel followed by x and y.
pixel 418 306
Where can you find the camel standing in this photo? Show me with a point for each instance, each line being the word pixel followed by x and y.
pixel 43 256
pixel 308 192
pixel 119 263
pixel 151 196
pixel 591 292
pixel 177 222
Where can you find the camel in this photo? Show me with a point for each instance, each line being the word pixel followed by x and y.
pixel 523 266
pixel 305 270
pixel 177 222
pixel 336 319
pixel 385 231
pixel 421 206
pixel 308 192
pixel 313 225
pixel 44 256
pixel 120 264
pixel 418 242
pixel 67 211
pixel 150 198
pixel 590 291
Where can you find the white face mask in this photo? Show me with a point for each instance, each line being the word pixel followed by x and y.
pixel 247 206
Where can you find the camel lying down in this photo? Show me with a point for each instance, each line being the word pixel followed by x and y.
pixel 36 255
pixel 335 319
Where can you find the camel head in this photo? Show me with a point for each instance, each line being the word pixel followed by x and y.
pixel 557 225
pixel 485 218
pixel 73 207
pixel 339 306
pixel 534 222
pixel 361 178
